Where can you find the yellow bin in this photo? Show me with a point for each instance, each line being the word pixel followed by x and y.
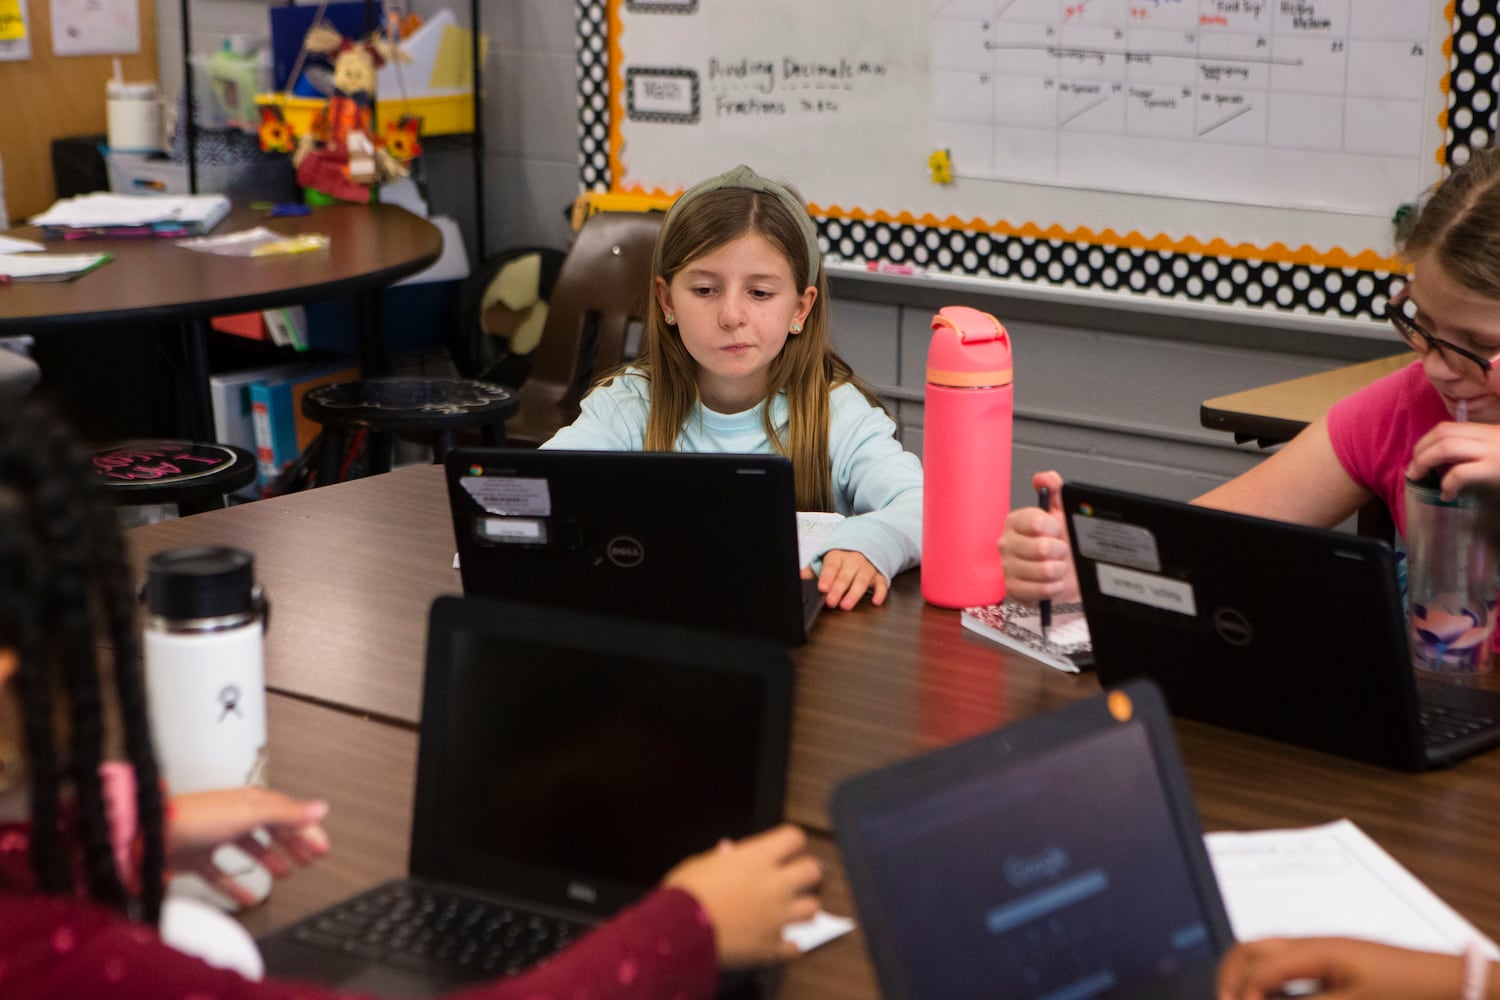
pixel 448 115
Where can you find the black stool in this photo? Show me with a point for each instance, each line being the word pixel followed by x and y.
pixel 403 404
pixel 194 475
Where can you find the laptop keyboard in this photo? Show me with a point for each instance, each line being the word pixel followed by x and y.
pixel 1444 725
pixel 420 927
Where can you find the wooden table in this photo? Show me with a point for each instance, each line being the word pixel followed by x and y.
pixel 350 570
pixel 1273 414
pixel 156 281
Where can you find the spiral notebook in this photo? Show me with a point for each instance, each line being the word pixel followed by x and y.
pixel 1066 645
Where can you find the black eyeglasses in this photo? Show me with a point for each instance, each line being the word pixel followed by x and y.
pixel 1465 362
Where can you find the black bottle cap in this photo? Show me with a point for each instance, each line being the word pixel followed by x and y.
pixel 200 582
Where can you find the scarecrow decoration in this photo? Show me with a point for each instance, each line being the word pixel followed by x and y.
pixel 339 157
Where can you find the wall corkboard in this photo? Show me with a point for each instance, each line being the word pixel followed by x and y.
pixel 49 97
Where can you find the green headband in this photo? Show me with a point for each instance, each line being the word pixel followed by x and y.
pixel 743 177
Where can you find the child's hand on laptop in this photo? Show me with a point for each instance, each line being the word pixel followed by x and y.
pixel 201 822
pixel 751 889
pixel 846 576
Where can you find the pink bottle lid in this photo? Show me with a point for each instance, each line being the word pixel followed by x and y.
pixel 969 349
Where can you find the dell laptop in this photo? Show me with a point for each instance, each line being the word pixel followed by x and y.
pixel 1293 633
pixel 566 762
pixel 708 541
pixel 1057 857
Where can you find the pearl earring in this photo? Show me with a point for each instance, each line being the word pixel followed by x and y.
pixel 671 319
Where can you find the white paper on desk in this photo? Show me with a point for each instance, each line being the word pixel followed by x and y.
pixel 816 931
pixel 813 529
pixel 43 265
pixel 9 244
pixel 1331 880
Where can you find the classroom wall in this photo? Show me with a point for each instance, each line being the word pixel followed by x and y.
pixel 1102 393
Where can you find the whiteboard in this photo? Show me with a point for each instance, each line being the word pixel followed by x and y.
pixel 1286 131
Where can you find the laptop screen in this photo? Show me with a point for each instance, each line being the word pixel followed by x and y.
pixel 1055 873
pixel 576 763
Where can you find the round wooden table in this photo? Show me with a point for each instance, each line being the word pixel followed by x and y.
pixel 154 280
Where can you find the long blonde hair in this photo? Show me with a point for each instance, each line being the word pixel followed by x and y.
pixel 806 370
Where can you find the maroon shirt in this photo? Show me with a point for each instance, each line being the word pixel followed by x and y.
pixel 52 947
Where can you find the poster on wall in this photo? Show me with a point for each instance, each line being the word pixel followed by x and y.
pixel 15 39
pixel 96 27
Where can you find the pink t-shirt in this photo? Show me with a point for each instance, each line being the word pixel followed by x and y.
pixel 1374 430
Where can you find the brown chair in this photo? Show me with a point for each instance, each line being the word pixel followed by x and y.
pixel 597 308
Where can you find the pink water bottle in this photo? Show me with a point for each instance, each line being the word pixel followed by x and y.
pixel 966 436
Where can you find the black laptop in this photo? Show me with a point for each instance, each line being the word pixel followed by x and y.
pixel 566 763
pixel 1297 634
pixel 1057 857
pixel 708 541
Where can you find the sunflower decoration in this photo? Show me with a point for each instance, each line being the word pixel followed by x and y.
pixel 401 138
pixel 275 134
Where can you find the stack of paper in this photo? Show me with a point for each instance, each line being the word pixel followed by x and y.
pixel 123 215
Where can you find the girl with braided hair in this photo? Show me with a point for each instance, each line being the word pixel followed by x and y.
pixel 86 834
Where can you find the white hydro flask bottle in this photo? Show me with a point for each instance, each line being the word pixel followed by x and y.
pixel 205 685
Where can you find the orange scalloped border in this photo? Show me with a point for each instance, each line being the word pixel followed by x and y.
pixel 1364 260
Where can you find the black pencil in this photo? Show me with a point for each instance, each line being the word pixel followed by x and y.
pixel 1044 501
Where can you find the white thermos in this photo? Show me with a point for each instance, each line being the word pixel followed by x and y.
pixel 205 673
pixel 205 682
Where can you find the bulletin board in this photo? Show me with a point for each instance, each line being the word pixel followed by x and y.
pixel 1246 152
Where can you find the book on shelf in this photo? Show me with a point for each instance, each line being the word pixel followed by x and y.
pixel 1019 627
pixel 281 431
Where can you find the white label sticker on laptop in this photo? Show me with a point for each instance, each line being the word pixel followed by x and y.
pixel 524 530
pixel 1116 542
pixel 514 496
pixel 1146 588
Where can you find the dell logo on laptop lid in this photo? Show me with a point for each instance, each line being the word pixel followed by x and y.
pixel 625 551
pixel 1233 627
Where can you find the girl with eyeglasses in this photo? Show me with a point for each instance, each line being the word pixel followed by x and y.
pixel 1442 412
